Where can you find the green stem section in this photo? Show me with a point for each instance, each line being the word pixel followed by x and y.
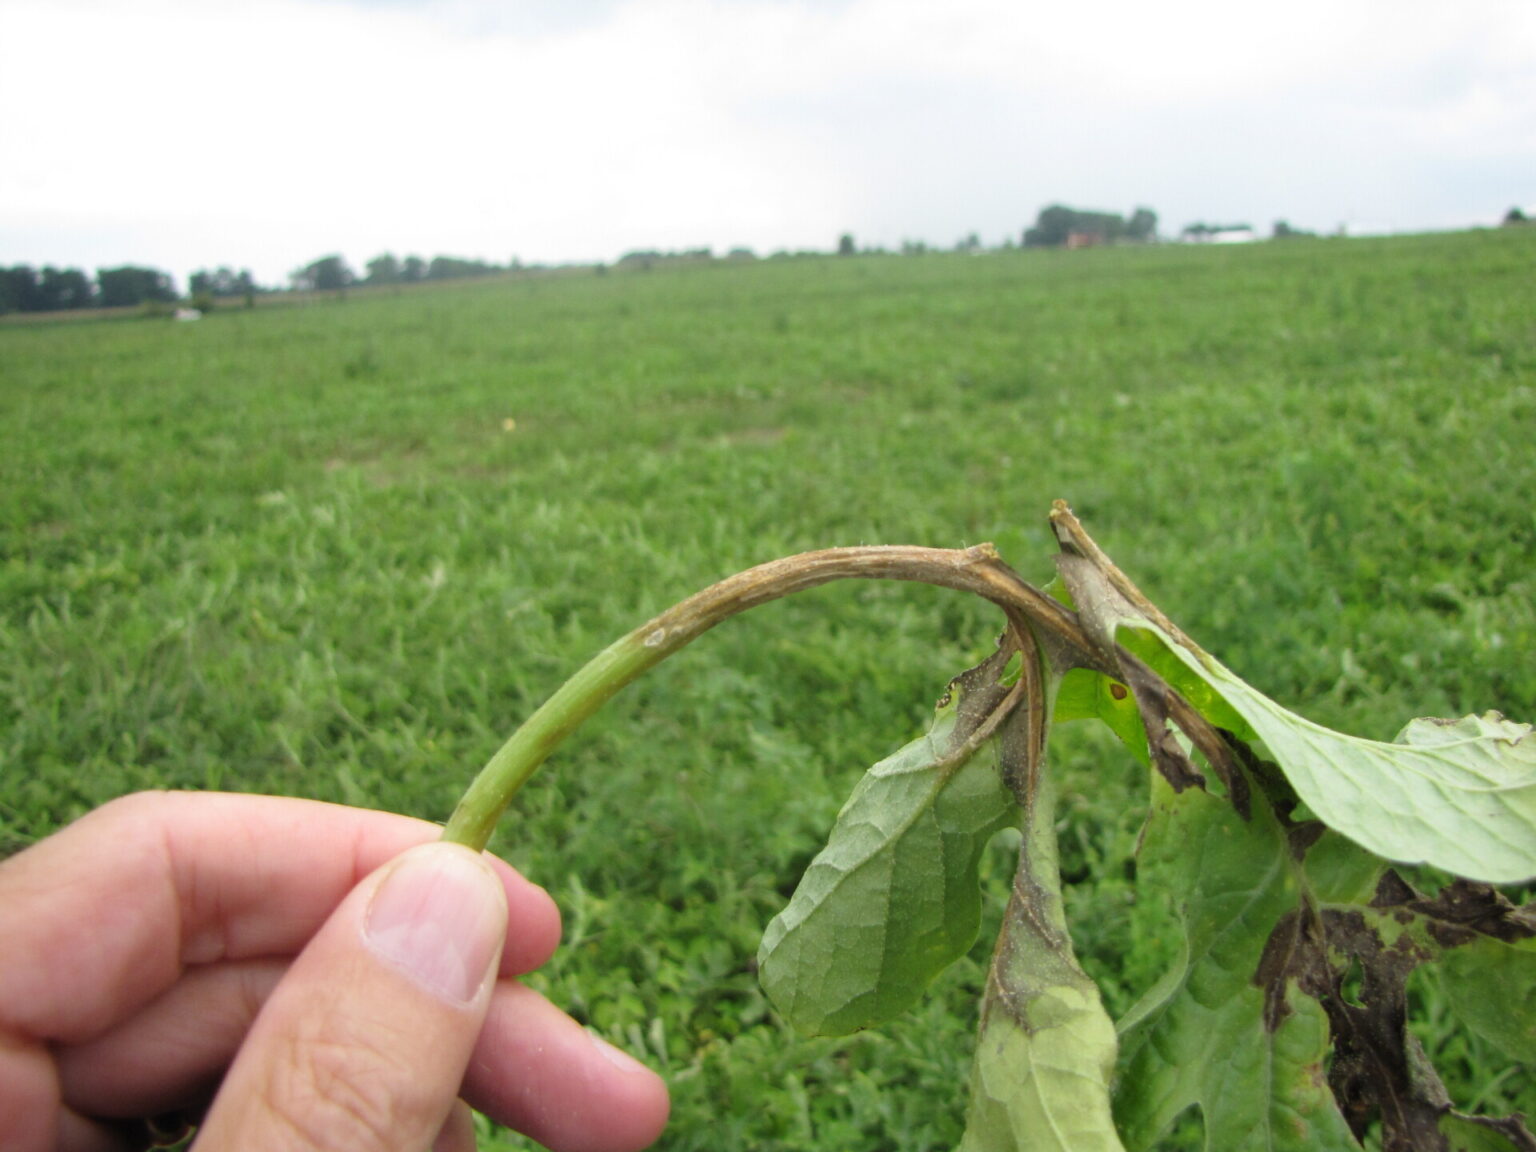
pixel 508 770
pixel 978 570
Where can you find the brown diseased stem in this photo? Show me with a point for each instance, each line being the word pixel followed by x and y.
pixel 978 570
pixel 1031 613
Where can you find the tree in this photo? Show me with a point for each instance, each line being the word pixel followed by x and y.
pixel 1142 227
pixel 130 285
pixel 1052 226
pixel 413 269
pixel 1057 224
pixel 222 282
pixel 19 290
pixel 327 274
pixel 384 269
pixel 1515 216
pixel 845 246
pixel 64 288
pixel 453 268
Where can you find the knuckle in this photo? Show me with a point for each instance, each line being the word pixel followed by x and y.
pixel 330 1089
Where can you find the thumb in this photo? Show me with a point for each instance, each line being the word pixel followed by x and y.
pixel 364 1043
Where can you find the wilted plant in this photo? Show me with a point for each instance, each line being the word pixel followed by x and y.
pixel 1284 1018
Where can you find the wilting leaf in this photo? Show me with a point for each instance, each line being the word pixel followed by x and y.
pixel 1459 795
pixel 894 899
pixel 1041 1074
pixel 1484 950
pixel 1209 1035
pixel 1380 1074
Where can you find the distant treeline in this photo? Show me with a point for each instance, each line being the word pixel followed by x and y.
pixel 1061 227
pixel 333 274
pixel 25 289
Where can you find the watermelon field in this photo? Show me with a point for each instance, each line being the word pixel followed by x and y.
pixel 339 549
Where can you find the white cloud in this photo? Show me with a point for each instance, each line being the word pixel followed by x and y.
pixel 267 132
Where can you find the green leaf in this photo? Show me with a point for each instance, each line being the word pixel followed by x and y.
pixel 1085 694
pixel 1046 1054
pixel 1479 1134
pixel 1339 871
pixel 1251 1059
pixel 1491 986
pixel 894 898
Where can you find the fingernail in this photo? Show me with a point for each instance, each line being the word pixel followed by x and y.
pixel 440 917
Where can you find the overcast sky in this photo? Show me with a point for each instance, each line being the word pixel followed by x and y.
pixel 265 133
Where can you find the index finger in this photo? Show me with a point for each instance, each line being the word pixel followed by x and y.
pixel 109 911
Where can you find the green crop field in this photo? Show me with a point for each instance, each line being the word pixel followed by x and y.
pixel 340 550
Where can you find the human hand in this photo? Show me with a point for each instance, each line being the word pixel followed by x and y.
pixel 345 977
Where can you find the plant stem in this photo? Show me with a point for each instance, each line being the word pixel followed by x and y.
pixel 978 570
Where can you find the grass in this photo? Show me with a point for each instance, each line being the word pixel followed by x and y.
pixel 303 551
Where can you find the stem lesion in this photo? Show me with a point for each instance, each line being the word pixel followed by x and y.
pixel 979 570
pixel 1032 615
